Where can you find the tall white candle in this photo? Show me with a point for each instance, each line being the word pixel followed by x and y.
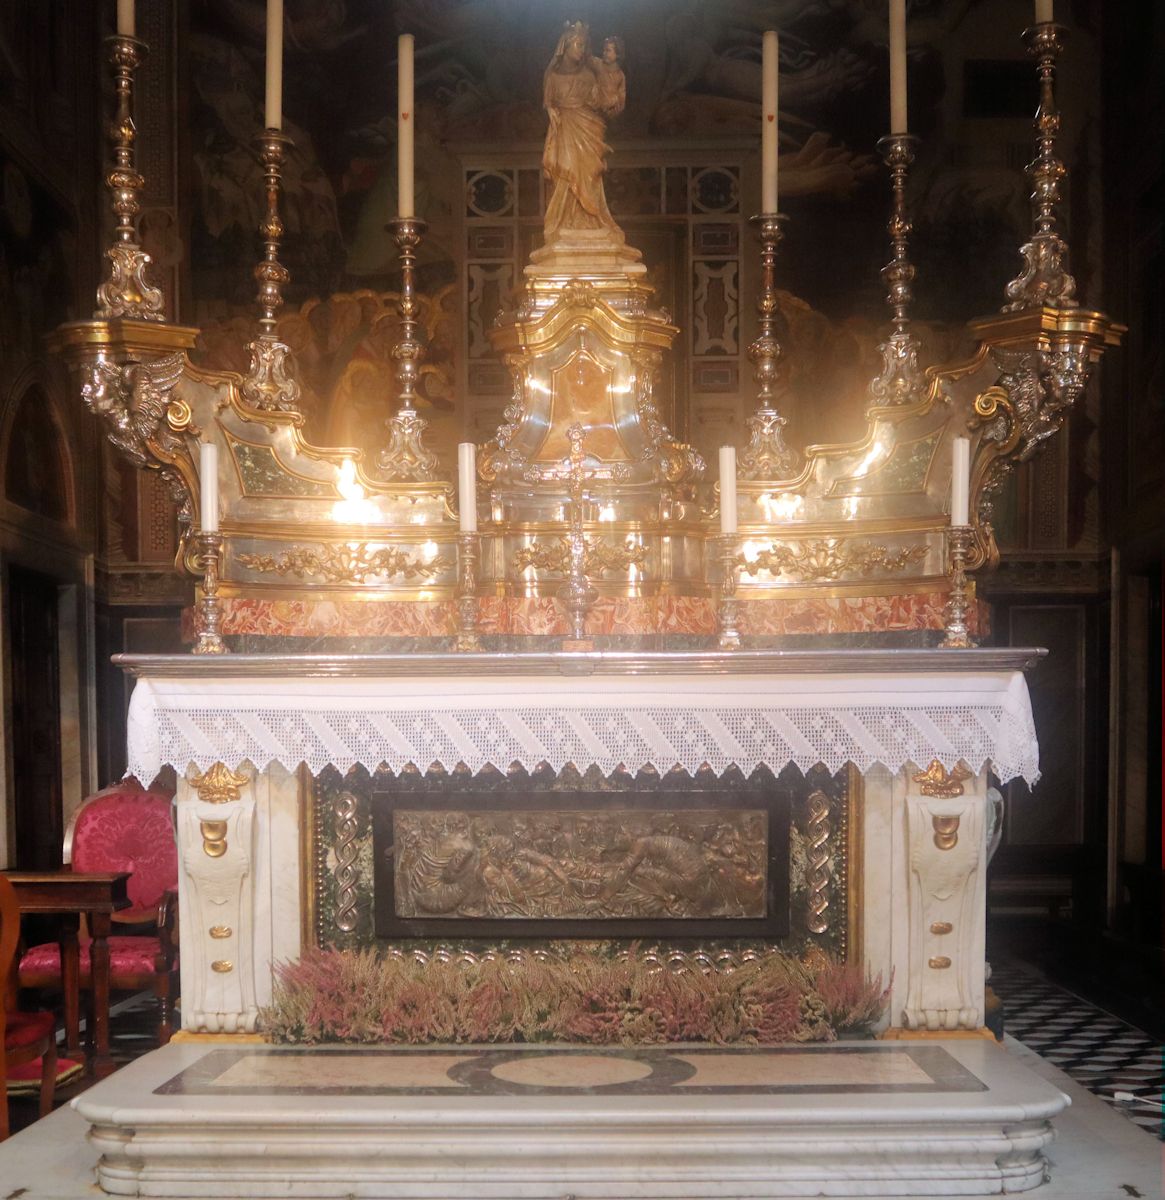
pixel 898 121
pixel 768 129
pixel 405 123
pixel 273 111
pixel 727 489
pixel 467 485
pixel 208 486
pixel 961 481
pixel 125 25
pixel 1044 12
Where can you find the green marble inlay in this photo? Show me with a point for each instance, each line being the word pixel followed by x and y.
pixel 904 471
pixel 264 475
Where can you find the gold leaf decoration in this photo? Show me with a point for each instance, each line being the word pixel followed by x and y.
pixel 831 559
pixel 600 556
pixel 936 780
pixel 344 563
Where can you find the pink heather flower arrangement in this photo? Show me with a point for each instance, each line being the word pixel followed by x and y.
pixel 582 995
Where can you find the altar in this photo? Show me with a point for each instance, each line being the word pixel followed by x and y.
pixel 624 830
pixel 898 831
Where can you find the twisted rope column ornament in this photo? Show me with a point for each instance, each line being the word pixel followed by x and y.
pixel 820 874
pixel 1044 278
pixel 126 293
pixel 900 381
pixel 346 873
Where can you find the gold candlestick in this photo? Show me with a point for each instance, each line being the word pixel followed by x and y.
pixel 407 457
pixel 271 382
pixel 468 552
pixel 726 610
pixel 959 538
pixel 209 607
pixel 1044 278
pixel 126 293
pixel 900 381
pixel 766 456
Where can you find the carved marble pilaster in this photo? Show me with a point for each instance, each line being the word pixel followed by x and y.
pixel 946 831
pixel 216 844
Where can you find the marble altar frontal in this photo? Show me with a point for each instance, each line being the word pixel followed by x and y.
pixel 935 1118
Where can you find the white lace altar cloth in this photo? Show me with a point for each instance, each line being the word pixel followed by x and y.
pixel 979 718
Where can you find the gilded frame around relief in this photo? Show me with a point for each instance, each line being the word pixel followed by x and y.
pixel 583 864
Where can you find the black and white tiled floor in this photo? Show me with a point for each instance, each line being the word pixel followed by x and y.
pixel 1095 1048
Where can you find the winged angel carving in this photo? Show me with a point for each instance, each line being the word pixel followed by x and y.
pixel 1028 405
pixel 141 417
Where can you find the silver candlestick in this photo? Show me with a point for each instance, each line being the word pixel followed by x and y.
pixel 958 637
pixel 209 607
pixel 766 456
pixel 900 381
pixel 407 457
pixel 726 610
pixel 1044 278
pixel 468 553
pixel 270 382
pixel 126 293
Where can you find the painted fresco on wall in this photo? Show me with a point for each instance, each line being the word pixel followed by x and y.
pixel 693 85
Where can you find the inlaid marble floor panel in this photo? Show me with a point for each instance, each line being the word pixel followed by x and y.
pixel 564 1071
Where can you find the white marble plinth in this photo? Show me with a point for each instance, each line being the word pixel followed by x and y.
pixel 950 1118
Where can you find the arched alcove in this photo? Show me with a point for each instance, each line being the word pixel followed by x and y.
pixel 38 472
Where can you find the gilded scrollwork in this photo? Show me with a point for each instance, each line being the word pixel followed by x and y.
pixel 502 455
pixel 620 863
pixel 600 556
pixel 270 384
pixel 406 457
pixel 344 562
pixel 831 559
pixel 937 781
pixel 219 785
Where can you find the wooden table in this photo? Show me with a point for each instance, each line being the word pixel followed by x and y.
pixel 67 894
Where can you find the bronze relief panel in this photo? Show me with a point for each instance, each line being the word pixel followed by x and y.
pixel 582 864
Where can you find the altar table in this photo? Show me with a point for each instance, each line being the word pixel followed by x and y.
pixel 924 728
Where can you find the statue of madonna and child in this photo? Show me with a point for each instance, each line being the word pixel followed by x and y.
pixel 580 92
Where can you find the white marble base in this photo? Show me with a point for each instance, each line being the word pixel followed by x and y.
pixel 436 1143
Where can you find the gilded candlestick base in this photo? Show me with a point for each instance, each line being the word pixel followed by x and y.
pixel 900 380
pixel 959 540
pixel 767 456
pixel 209 607
pixel 126 292
pixel 468 555
pixel 1044 278
pixel 407 457
pixel 728 637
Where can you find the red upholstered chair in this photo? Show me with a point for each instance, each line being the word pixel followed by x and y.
pixel 25 1037
pixel 124 828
